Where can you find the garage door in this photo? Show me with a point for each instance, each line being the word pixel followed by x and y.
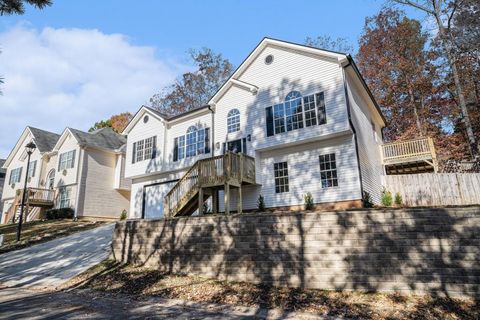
pixel 154 196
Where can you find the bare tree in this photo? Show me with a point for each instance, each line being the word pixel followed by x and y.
pixel 443 12
pixel 329 43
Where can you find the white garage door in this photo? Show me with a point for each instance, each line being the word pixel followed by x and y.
pixel 154 197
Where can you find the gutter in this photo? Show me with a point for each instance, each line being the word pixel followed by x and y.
pixel 349 112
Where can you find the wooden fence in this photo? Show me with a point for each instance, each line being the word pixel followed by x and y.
pixel 435 189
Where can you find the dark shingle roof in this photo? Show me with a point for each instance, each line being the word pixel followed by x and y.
pixel 45 140
pixel 104 138
pixel 2 161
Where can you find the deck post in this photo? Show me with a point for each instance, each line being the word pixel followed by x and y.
pixel 214 201
pixel 239 200
pixel 200 201
pixel 226 197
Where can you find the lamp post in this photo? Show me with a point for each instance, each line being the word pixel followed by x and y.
pixel 30 147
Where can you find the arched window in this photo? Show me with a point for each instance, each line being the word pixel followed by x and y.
pixel 233 120
pixel 293 111
pixel 293 95
pixel 191 144
pixel 51 179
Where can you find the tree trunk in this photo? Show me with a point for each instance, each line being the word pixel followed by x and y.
pixel 446 42
pixel 415 113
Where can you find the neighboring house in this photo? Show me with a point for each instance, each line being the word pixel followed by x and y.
pixel 80 170
pixel 2 181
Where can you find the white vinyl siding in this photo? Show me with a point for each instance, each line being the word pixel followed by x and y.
pixel 367 139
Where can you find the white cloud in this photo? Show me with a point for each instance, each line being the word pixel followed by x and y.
pixel 56 78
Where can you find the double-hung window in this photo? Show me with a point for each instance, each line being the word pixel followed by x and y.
pixel 32 166
pixel 144 149
pixel 296 112
pixel 65 195
pixel 281 177
pixel 15 175
pixel 328 170
pixel 66 160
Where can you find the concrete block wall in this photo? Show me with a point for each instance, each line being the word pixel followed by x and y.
pixel 434 251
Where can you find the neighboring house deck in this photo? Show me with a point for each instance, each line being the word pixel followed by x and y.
pixel 411 156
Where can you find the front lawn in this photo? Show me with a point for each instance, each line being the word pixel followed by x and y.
pixel 113 278
pixel 40 231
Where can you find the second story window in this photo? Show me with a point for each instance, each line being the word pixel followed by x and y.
pixel 233 121
pixel 32 168
pixel 145 149
pixel 296 112
pixel 195 142
pixel 66 160
pixel 15 175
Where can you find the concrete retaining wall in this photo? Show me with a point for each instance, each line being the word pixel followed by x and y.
pixel 409 250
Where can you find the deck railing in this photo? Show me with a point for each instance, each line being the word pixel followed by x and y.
pixel 37 195
pixel 209 172
pixel 412 150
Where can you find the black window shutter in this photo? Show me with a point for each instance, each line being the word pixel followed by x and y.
pixel 224 146
pixel 207 140
pixel 154 147
pixel 10 179
pixel 322 113
pixel 134 152
pixel 34 166
pixel 269 119
pixel 244 145
pixel 20 174
pixel 73 158
pixel 175 149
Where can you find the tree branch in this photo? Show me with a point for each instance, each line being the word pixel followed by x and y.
pixel 416 5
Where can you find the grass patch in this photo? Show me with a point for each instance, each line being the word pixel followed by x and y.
pixel 40 231
pixel 112 277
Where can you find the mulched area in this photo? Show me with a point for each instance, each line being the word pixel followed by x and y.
pixel 40 231
pixel 140 282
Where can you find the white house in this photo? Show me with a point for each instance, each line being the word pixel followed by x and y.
pixel 80 170
pixel 298 119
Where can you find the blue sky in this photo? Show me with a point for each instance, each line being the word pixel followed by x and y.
pixel 76 62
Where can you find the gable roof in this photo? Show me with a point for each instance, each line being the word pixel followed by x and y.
pixel 45 140
pixel 104 138
pixel 159 115
pixel 345 60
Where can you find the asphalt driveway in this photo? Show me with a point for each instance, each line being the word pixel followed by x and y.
pixel 49 264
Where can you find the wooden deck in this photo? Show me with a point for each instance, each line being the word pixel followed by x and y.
pixel 36 198
pixel 207 176
pixel 411 156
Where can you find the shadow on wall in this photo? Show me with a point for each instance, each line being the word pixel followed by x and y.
pixel 432 251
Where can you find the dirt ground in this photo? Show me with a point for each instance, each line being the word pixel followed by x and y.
pixel 110 277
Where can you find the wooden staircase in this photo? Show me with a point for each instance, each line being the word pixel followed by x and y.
pixel 205 178
pixel 36 200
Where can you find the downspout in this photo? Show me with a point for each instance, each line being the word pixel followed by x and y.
pixel 213 130
pixel 352 127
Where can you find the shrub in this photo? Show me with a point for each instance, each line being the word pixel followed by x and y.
pixel 62 213
pixel 261 203
pixel 123 215
pixel 386 198
pixel 309 204
pixel 367 200
pixel 398 199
